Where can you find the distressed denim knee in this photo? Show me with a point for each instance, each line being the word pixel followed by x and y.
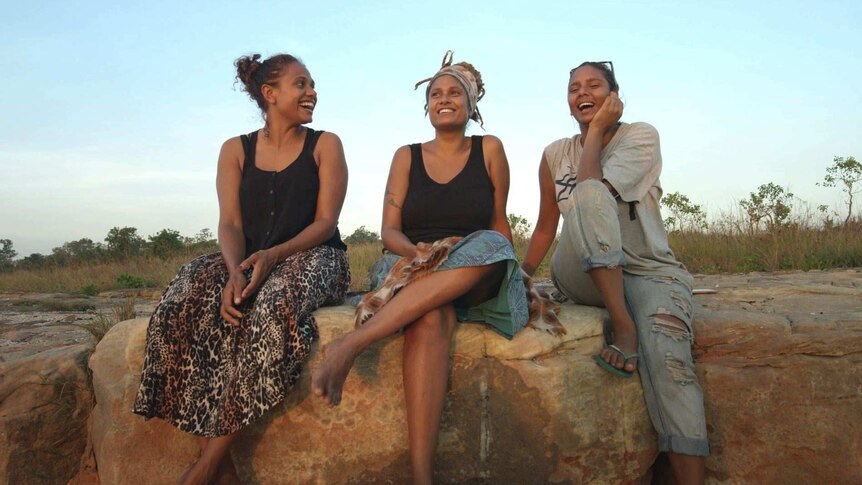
pixel 662 310
pixel 597 225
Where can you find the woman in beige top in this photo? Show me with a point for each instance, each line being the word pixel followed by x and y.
pixel 613 252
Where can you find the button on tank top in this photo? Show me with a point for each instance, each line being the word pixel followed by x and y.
pixel 276 206
pixel 434 211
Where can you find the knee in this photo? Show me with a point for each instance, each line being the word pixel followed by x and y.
pixel 435 326
pixel 675 355
pixel 594 192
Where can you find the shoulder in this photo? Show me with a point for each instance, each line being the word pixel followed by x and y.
pixel 639 130
pixel 557 146
pixel 491 142
pixel 403 156
pixel 232 145
pixel 328 140
pixel 557 151
pixel 232 151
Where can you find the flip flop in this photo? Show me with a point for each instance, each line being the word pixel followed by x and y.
pixel 613 370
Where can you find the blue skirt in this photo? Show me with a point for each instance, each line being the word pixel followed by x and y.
pixel 507 313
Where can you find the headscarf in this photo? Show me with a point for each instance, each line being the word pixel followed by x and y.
pixel 465 78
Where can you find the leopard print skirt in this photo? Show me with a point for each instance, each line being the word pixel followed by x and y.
pixel 209 378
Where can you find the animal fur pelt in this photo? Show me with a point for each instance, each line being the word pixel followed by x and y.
pixel 543 312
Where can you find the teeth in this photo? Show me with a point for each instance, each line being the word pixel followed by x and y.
pixel 446 110
pixel 586 105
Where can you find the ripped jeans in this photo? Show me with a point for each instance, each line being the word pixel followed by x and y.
pixel 591 238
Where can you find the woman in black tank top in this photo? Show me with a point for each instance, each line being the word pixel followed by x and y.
pixel 232 331
pixel 453 185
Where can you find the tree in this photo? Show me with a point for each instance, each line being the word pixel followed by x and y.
pixel 7 254
pixel 848 172
pixel 165 242
pixel 204 236
pixel 124 241
pixel 685 215
pixel 771 203
pixel 362 236
pixel 520 226
pixel 34 261
pixel 83 250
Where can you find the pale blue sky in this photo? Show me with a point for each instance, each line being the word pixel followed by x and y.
pixel 113 114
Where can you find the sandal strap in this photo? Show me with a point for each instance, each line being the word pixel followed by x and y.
pixel 626 357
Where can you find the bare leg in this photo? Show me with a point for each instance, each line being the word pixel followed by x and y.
pixel 688 469
pixel 609 282
pixel 208 465
pixel 414 301
pixel 426 373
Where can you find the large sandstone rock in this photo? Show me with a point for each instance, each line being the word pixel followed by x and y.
pixel 778 357
pixel 45 400
pixel 532 410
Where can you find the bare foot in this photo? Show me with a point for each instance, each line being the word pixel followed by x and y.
pixel 328 379
pixel 627 342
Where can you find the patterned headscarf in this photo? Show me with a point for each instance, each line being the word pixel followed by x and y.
pixel 465 78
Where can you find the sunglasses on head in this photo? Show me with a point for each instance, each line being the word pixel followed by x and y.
pixel 609 64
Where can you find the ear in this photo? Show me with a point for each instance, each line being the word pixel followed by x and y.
pixel 268 93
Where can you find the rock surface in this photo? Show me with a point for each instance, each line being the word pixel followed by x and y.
pixel 778 356
pixel 45 400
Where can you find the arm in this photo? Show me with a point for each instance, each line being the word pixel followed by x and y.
pixel 590 166
pixel 498 171
pixel 396 192
pixel 230 235
pixel 332 172
pixel 549 218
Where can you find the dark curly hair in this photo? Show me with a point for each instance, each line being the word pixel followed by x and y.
pixel 254 74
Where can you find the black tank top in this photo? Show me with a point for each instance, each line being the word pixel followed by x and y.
pixel 433 211
pixel 276 206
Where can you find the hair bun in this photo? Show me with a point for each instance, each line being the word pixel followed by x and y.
pixel 245 69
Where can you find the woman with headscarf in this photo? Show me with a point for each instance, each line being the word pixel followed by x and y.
pixel 453 185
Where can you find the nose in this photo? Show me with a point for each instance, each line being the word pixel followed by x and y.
pixel 310 91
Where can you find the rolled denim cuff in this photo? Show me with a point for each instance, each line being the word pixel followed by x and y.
pixel 604 260
pixel 683 446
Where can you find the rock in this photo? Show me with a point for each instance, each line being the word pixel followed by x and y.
pixel 45 400
pixel 778 357
pixel 535 408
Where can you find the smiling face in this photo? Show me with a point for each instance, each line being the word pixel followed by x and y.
pixel 448 106
pixel 292 95
pixel 588 89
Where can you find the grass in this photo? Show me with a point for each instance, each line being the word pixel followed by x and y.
pixel 795 246
pixel 727 246
pixel 100 325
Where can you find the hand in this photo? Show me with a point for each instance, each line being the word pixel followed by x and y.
pixel 261 263
pixel 608 115
pixel 230 297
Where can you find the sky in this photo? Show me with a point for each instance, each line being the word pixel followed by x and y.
pixel 113 113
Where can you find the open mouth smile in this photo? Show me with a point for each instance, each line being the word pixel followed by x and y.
pixel 585 106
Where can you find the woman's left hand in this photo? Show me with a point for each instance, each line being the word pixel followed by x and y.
pixel 608 115
pixel 262 263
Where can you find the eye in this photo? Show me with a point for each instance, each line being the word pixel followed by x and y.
pixel 595 85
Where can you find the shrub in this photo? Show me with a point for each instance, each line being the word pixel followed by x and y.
pixel 126 280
